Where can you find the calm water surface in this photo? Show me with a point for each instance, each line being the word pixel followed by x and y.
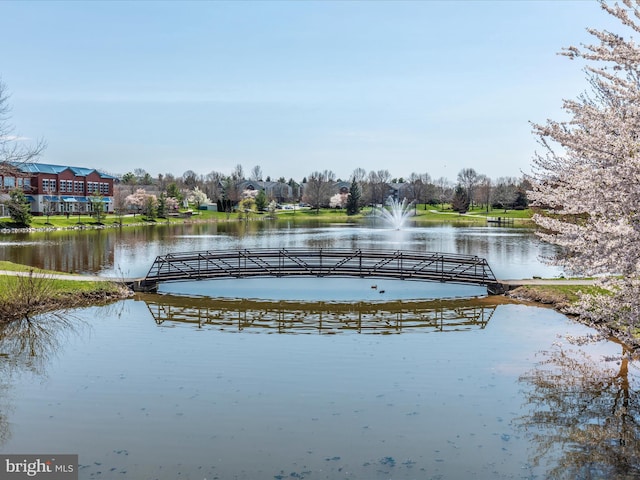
pixel 344 383
pixel 511 252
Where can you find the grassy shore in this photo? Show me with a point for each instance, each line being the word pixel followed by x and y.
pixel 422 215
pixel 560 297
pixel 564 297
pixel 86 221
pixel 38 292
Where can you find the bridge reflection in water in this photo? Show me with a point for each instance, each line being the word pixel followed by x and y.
pixel 322 317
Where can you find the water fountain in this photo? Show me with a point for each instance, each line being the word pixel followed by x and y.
pixel 397 212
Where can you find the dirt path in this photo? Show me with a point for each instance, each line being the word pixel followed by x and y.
pixel 61 276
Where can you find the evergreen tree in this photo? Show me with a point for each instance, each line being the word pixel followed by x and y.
pixel 261 201
pixel 460 201
pixel 19 208
pixel 174 191
pixel 353 201
pixel 161 210
pixel 150 207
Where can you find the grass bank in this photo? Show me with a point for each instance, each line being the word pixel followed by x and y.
pixel 564 297
pixel 29 292
pixel 560 297
pixel 86 221
pixel 421 215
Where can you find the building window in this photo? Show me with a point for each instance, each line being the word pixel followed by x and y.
pixel 9 182
pixel 78 187
pixel 104 188
pixel 48 185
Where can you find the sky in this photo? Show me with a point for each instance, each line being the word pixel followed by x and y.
pixel 292 86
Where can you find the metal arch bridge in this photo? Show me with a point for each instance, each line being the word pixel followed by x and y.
pixel 320 262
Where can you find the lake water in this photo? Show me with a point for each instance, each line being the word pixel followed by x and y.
pixel 320 379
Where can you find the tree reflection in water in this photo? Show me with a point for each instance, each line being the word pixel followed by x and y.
pixel 583 415
pixel 26 346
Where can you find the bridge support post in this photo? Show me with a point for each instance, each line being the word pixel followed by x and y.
pixel 145 286
pixel 495 288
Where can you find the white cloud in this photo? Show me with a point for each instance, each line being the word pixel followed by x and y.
pixel 13 138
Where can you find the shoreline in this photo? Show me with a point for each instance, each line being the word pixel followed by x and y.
pixel 39 293
pixel 561 302
pixel 25 294
pixel 479 218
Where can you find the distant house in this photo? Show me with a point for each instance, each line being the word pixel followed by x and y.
pixel 59 189
pixel 278 191
pixel 399 191
pixel 341 187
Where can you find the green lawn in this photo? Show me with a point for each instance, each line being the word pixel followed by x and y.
pixel 27 296
pixel 54 288
pixel 432 213
pixel 17 267
pixel 570 293
pixel 61 221
pixel 8 283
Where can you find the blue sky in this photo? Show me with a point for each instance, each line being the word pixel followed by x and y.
pixel 425 87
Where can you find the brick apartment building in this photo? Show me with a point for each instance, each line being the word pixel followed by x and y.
pixel 58 189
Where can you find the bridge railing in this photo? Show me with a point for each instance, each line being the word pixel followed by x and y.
pixel 396 264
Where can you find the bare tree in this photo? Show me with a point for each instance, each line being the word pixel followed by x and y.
pixel 165 180
pixel 379 185
pixel 140 174
pixel 359 175
pixel 120 193
pixel 190 179
pixel 13 149
pixel 317 189
pixel 468 178
pixel 295 189
pixel 232 190
pixel 418 187
pixel 444 190
pixel 484 191
pixel 238 172
pixel 256 174
pixel 213 185
pixel 505 192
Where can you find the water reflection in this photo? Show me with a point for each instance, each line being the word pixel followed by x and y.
pixel 27 346
pixel 583 416
pixel 63 251
pixel 322 317
pixel 511 252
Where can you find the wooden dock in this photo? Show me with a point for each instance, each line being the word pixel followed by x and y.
pixel 500 220
pixel 321 262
